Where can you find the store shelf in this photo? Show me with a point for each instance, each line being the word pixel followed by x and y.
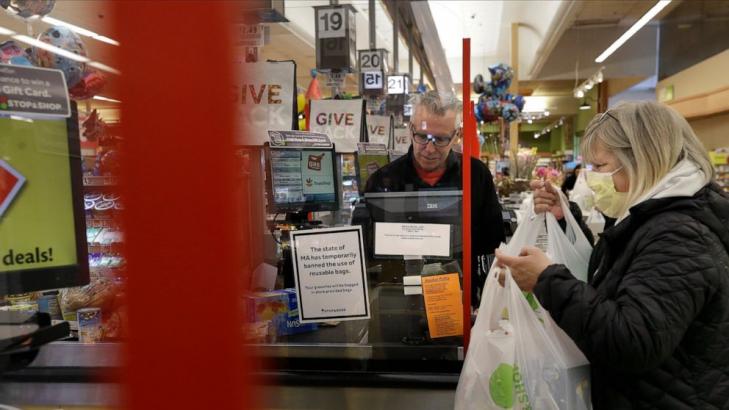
pixel 100 181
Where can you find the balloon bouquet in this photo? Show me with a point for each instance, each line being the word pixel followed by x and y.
pixel 494 101
pixel 83 81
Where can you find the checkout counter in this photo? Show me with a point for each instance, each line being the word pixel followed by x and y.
pixel 387 361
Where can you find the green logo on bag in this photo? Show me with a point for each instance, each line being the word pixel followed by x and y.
pixel 501 386
pixel 505 384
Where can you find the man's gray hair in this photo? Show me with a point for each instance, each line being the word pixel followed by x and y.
pixel 439 103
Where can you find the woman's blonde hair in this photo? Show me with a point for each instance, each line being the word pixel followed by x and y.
pixel 649 139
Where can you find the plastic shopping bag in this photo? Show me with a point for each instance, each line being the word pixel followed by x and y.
pixel 582 194
pixel 569 247
pixel 519 358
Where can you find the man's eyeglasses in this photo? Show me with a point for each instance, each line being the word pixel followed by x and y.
pixel 425 138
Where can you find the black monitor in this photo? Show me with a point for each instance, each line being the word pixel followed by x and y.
pixel 42 224
pixel 301 180
pixel 419 207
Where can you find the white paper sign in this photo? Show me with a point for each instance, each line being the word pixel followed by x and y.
pixel 373 80
pixel 402 139
pixel 264 97
pixel 330 22
pixel 330 273
pixel 378 129
pixel 412 239
pixel 341 120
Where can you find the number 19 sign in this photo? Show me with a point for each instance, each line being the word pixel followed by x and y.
pixel 335 38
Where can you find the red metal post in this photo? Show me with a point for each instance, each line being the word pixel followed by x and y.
pixel 185 347
pixel 466 161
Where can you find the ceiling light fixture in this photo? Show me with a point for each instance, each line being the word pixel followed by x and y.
pixel 102 98
pixel 632 30
pixel 581 90
pixel 53 49
pixel 585 106
pixel 80 30
pixel 546 113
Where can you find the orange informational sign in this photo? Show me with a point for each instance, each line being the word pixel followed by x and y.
pixel 443 305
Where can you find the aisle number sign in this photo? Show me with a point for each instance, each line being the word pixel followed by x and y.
pixel 373 80
pixel 397 84
pixel 372 60
pixel 331 22
pixel 335 38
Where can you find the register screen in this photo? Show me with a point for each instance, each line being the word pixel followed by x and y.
pixel 302 176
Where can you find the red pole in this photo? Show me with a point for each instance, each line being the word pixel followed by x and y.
pixel 466 160
pixel 185 347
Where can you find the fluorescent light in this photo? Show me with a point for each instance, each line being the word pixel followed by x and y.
pixel 53 49
pixel 102 98
pixel 6 32
pixel 104 67
pixel 634 29
pixel 80 30
pixel 18 118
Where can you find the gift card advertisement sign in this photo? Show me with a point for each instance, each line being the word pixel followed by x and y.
pixel 37 226
pixel 331 283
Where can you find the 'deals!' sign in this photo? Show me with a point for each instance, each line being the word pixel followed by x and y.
pixel 331 280
pixel 33 91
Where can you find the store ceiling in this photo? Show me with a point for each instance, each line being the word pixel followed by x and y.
pixel 91 15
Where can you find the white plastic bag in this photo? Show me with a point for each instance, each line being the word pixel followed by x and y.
pixel 569 247
pixel 582 194
pixel 596 221
pixel 519 358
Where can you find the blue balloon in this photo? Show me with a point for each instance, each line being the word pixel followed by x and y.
pixel 510 112
pixel 519 102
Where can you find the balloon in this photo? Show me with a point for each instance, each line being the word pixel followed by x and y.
pixel 478 84
pixel 91 84
pixel 510 112
pixel 519 102
pixel 501 75
pixel 28 8
pixel 11 53
pixel 422 89
pixel 66 39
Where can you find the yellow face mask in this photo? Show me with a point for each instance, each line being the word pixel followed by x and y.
pixel 607 199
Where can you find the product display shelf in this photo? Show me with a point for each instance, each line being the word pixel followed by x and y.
pixel 722 176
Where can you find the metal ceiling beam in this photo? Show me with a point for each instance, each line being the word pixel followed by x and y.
pixel 411 32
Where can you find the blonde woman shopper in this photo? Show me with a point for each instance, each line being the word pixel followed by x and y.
pixel 653 318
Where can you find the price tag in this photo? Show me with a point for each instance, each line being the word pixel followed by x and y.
pixel 330 22
pixel 373 80
pixel 396 84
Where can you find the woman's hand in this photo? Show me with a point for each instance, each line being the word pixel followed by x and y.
pixel 525 268
pixel 546 199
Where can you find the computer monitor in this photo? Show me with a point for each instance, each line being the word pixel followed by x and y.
pixel 42 223
pixel 301 180
pixel 438 207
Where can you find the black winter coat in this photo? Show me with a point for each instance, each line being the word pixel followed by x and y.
pixel 487 224
pixel 654 318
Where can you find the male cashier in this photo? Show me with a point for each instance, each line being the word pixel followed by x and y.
pixel 431 163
